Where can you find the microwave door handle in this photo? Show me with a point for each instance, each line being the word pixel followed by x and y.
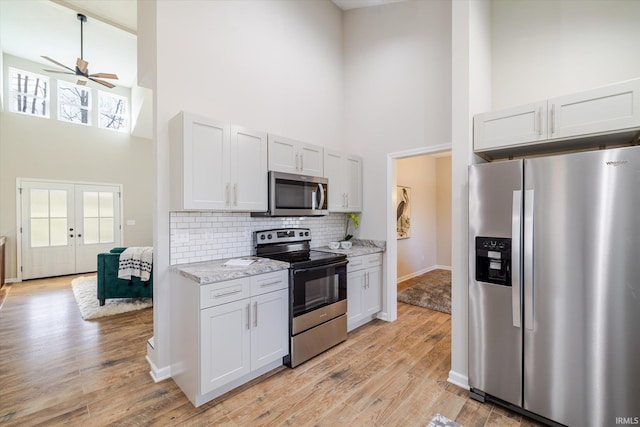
pixel 321 189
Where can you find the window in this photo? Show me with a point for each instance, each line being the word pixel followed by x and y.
pixel 74 103
pixel 98 213
pixel 112 111
pixel 29 93
pixel 48 217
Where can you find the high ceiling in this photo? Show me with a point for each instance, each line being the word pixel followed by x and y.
pixel 31 29
pixel 35 28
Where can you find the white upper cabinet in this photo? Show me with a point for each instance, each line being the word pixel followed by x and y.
pixel 248 169
pixel 291 156
pixel 604 109
pixel 216 166
pixel 344 172
pixel 518 125
pixel 613 111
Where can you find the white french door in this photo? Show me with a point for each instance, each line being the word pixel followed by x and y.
pixel 65 225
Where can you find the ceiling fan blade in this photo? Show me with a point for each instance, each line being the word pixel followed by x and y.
pixel 57 63
pixel 102 82
pixel 105 76
pixel 82 65
pixel 58 71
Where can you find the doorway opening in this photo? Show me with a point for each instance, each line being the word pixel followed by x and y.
pixel 424 230
pixel 396 178
pixel 62 226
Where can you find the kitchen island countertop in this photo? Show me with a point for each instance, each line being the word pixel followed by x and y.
pixel 215 271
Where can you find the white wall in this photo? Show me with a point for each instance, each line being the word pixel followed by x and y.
pixel 418 253
pixel 471 94
pixel 46 148
pixel 443 211
pixel 397 90
pixel 275 66
pixel 542 49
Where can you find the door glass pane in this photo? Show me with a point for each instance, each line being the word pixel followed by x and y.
pixel 58 200
pixel 90 204
pixel 91 231
pixel 58 231
pixel 106 230
pixel 39 232
pixel 39 203
pixel 106 205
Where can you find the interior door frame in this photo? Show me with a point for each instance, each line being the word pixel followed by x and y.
pixel 19 186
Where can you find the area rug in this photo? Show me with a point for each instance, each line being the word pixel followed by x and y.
pixel 431 290
pixel 85 292
pixel 442 421
pixel 4 292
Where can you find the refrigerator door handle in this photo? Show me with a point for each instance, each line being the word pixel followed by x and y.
pixel 528 259
pixel 516 230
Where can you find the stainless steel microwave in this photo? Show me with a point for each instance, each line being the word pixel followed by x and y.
pixel 296 195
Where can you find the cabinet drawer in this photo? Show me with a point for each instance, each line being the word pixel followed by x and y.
pixel 269 282
pixel 224 292
pixel 364 261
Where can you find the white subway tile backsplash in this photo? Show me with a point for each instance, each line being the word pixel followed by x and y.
pixel 206 236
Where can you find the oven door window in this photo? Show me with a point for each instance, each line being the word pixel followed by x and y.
pixel 317 287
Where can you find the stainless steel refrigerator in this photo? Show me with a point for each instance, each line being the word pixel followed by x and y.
pixel 554 286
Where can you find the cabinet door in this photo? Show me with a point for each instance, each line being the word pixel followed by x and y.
pixel 354 183
pixel 334 171
pixel 248 181
pixel 205 163
pixel 518 125
pixel 311 159
pixel 355 290
pixel 225 344
pixel 373 291
pixel 270 327
pixel 599 110
pixel 283 154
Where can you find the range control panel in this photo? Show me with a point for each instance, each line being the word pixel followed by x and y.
pixel 493 260
pixel 283 235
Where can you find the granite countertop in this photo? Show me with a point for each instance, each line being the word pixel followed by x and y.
pixel 360 247
pixel 215 271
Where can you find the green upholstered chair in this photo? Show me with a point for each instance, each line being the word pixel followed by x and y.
pixel 109 286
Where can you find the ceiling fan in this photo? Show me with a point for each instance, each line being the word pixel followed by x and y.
pixel 82 70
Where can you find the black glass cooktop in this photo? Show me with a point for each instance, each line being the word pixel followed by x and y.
pixel 306 259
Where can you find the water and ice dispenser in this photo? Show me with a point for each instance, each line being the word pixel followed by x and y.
pixel 493 260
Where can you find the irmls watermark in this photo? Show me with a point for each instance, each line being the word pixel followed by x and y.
pixel 629 421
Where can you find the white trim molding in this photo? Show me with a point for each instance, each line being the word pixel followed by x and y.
pixel 158 374
pixel 458 379
pixel 423 271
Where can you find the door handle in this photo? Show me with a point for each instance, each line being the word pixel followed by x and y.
pixel 255 314
pixel 228 200
pixel 516 230
pixel 248 317
pixel 235 194
pixel 528 260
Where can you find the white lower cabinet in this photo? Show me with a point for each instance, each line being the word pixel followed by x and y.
pixel 242 333
pixel 364 289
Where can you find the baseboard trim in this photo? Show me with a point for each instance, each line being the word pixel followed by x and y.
pixel 12 280
pixel 423 271
pixel 458 379
pixel 158 374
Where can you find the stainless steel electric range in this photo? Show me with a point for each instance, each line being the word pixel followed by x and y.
pixel 317 291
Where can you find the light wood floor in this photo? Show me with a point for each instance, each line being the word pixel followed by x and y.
pixel 56 369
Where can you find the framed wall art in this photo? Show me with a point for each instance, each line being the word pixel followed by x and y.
pixel 403 197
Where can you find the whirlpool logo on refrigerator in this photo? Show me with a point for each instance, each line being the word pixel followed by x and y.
pixel 617 162
pixel 627 420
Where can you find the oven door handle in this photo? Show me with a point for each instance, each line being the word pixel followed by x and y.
pixel 321 267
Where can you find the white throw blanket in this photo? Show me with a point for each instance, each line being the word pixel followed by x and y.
pixel 136 261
